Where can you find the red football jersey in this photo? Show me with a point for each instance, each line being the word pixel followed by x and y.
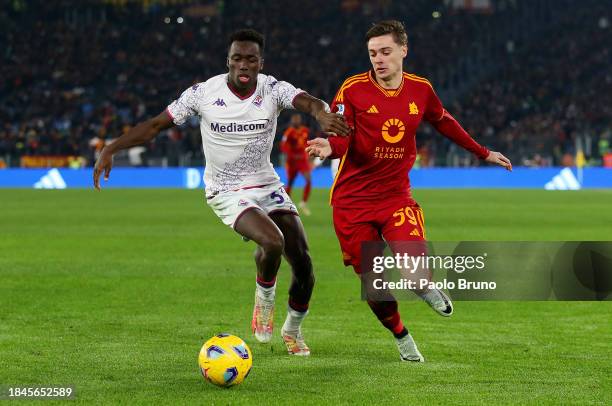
pixel 293 143
pixel 381 149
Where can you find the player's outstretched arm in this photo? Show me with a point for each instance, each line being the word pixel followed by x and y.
pixel 329 122
pixel 140 134
pixel 450 128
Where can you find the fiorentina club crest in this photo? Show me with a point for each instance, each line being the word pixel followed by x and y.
pixel 258 100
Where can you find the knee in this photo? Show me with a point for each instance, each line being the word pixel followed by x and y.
pixel 299 257
pixel 273 244
pixel 303 280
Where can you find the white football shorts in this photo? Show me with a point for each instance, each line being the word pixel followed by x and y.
pixel 230 205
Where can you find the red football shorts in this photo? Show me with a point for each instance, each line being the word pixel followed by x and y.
pixel 398 219
pixel 295 167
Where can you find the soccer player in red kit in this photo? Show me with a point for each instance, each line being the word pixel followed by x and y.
pixel 293 145
pixel 371 196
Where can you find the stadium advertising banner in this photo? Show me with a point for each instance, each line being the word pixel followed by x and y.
pixel 191 178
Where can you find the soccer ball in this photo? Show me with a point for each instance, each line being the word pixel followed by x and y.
pixel 225 360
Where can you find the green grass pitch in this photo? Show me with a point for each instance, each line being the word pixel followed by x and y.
pixel 115 292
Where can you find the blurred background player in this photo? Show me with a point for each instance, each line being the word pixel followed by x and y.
pixel 293 145
pixel 371 196
pixel 238 114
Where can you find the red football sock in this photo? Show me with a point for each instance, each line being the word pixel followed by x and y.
pixel 388 315
pixel 265 284
pixel 307 190
pixel 297 305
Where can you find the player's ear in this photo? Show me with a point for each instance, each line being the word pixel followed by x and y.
pixel 261 61
pixel 404 51
pixel 227 62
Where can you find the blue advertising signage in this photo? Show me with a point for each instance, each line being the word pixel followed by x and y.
pixel 191 178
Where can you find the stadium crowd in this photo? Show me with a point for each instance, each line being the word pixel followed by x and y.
pixel 528 78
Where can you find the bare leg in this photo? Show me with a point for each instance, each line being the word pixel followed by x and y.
pixel 297 255
pixel 258 227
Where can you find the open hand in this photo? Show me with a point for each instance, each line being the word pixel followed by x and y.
pixel 319 147
pixel 103 164
pixel 499 159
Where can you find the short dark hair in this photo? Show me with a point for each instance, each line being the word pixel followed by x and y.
pixel 393 27
pixel 248 34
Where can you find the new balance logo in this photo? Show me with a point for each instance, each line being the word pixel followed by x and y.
pixel 220 102
pixel 52 180
pixel 415 232
pixel 565 180
pixel 373 109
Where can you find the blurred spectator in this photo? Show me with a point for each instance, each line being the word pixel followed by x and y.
pixel 529 78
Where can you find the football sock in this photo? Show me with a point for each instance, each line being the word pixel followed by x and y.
pixel 394 323
pixel 307 191
pixel 266 290
pixel 264 283
pixel 387 314
pixel 297 306
pixel 401 334
pixel 293 321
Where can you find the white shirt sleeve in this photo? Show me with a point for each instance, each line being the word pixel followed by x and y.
pixel 283 94
pixel 186 105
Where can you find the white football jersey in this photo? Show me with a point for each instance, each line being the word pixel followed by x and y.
pixel 237 133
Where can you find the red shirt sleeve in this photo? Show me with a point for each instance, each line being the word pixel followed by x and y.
pixel 446 125
pixel 340 144
pixel 434 110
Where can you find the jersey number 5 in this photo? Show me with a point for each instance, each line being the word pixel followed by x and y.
pixel 278 198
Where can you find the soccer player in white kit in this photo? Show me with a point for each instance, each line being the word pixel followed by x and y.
pixel 238 112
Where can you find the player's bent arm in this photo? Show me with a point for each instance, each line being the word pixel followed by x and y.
pixel 317 108
pixel 140 134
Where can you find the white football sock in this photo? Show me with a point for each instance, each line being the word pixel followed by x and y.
pixel 266 293
pixel 293 321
